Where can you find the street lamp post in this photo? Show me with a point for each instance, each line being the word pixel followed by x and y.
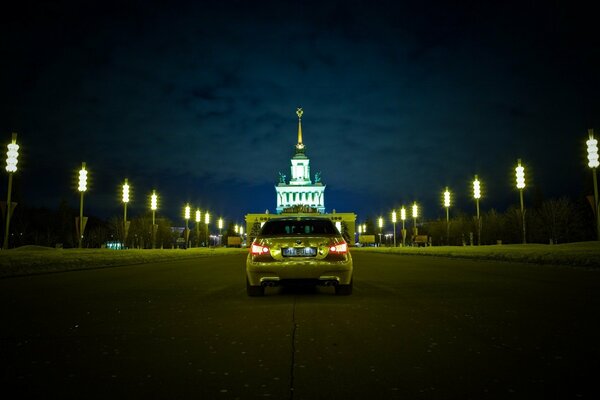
pixel 447 205
pixel 82 188
pixel 12 158
pixel 198 219
pixel 186 215
pixel 520 177
pixel 477 196
pixel 380 223
pixel 415 214
pixel 206 222
pixel 153 207
pixel 125 201
pixel 403 218
pixel 592 150
pixel 394 222
pixel 220 223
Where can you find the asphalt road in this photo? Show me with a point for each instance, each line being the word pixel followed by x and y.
pixel 415 328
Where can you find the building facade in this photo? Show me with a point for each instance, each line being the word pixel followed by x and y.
pixel 301 196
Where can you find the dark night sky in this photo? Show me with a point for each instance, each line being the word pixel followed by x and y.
pixel 198 100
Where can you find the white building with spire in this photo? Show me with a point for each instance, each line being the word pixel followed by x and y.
pixel 300 191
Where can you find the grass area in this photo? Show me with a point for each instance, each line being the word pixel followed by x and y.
pixel 578 254
pixel 29 260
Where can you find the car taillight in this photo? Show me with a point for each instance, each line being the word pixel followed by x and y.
pixel 341 248
pixel 258 250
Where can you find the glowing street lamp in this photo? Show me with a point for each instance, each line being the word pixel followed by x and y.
pixel 447 206
pixel 477 196
pixel 206 222
pixel 394 222
pixel 592 150
pixel 82 188
pixel 198 219
pixel 403 218
pixel 12 158
pixel 520 179
pixel 380 224
pixel 220 225
pixel 154 207
pixel 125 199
pixel 415 214
pixel 186 215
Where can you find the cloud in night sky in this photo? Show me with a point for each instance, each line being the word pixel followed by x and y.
pixel 198 100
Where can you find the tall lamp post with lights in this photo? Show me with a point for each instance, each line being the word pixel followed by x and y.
pixel 520 178
pixel 477 196
pixel 592 151
pixel 220 224
pixel 82 188
pixel 125 199
pixel 415 214
pixel 447 206
pixel 187 214
pixel 380 224
pixel 206 222
pixel 154 207
pixel 198 219
pixel 403 218
pixel 394 222
pixel 12 158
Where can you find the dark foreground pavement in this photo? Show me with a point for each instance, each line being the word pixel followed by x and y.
pixel 415 328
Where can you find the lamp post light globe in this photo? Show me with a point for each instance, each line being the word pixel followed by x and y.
pixel 477 196
pixel 403 218
pixel 394 222
pixel 198 219
pixel 206 222
pixel 220 225
pixel 447 206
pixel 380 225
pixel 187 213
pixel 82 187
pixel 415 215
pixel 125 199
pixel 154 207
pixel 12 159
pixel 592 155
pixel 520 181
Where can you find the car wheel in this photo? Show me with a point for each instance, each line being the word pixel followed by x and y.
pixel 344 290
pixel 254 291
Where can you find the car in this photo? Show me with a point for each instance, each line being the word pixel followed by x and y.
pixel 299 250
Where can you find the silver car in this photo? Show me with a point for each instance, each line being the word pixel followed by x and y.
pixel 299 250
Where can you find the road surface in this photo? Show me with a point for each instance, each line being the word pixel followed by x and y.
pixel 415 328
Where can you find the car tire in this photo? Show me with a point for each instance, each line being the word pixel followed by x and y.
pixel 344 290
pixel 254 291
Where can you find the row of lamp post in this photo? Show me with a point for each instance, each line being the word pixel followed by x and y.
pixel 13 154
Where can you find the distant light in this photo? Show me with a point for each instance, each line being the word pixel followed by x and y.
pixel 380 223
pixel 198 216
pixel 12 155
pixel 236 228
pixel 403 213
pixel 82 178
pixel 592 149
pixel 125 192
pixel 153 201
pixel 415 210
pixel 476 188
pixel 446 198
pixel 206 218
pixel 187 211
pixel 220 223
pixel 241 230
pixel 520 175
pixel 394 216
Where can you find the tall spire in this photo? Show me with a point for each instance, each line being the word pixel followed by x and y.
pixel 299 112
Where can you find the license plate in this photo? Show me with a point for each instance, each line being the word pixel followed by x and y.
pixel 299 251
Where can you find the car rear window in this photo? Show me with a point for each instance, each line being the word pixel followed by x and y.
pixel 299 227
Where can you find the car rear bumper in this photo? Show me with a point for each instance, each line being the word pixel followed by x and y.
pixel 309 271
